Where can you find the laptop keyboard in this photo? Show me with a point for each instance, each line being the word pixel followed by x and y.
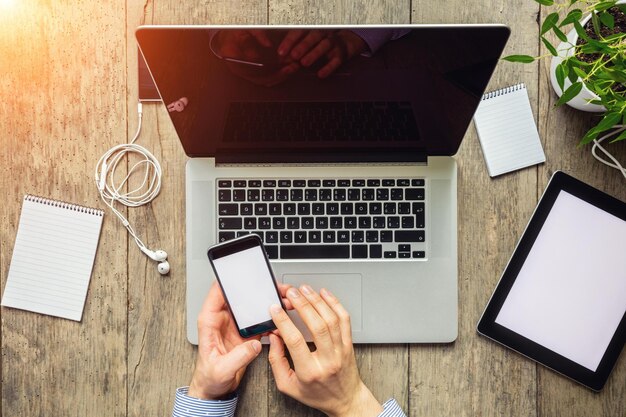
pixel 326 218
pixel 320 121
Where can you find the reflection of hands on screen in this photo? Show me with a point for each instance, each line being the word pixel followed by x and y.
pixel 259 56
pixel 308 47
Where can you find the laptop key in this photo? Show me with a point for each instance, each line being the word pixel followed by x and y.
pixel 265 223
pixel 343 183
pixel 393 222
pixel 359 251
pixel 313 183
pixel 417 182
pixel 230 223
pixel 350 222
pixel 227 209
pixel 336 222
pixel 246 209
pixel 368 194
pixel 224 195
pixel 408 222
pixel 378 222
pixel 315 251
pixel 389 208
pixel 239 195
pixel 271 237
pixel 414 194
pixel 254 183
pixel 224 183
pixel 347 208
pixel 308 223
pixel 293 223
pixel 318 209
pixel 329 236
pixel 409 236
pixel 249 223
pixel 315 236
pixel 321 222
pixel 404 254
pixel 278 223
pixel 260 209
pixel 382 194
pixel 325 194
pixel 224 236
pixel 296 194
pixel 289 209
pixel 275 209
pixel 282 195
pixel 272 251
pixel 376 251
pixel 358 236
pixel 396 194
pixel 371 236
pixel 403 183
pixel 343 236
pixel 329 183
pixel 354 194
pixel 386 236
pixel 404 208
pixel 310 194
pixel 284 183
pixel 300 237
pixel 299 183
pixel 332 208
pixel 419 254
pixel 390 254
pixel 376 208
pixel 286 237
pixel 267 195
pixel 269 183
pixel 304 209
pixel 239 183
pixel 339 194
pixel 360 208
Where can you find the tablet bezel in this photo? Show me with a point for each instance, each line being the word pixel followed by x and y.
pixel 487 325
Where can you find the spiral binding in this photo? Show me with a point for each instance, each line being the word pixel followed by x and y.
pixel 503 91
pixel 63 205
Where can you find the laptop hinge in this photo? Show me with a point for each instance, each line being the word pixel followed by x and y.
pixel 314 156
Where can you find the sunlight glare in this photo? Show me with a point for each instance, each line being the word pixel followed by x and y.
pixel 7 4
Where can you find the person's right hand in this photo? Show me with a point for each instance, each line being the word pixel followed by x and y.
pixel 326 379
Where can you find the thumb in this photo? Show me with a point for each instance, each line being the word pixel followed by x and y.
pixel 241 356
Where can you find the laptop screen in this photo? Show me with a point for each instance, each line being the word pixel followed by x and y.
pixel 320 94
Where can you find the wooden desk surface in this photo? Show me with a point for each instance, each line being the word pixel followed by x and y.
pixel 68 87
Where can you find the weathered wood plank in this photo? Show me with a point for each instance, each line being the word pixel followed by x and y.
pixel 159 356
pixel 62 92
pixel 562 128
pixel 474 376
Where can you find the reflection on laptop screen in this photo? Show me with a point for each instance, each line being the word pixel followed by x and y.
pixel 396 92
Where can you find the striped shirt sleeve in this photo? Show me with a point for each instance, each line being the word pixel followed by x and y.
pixel 391 408
pixel 185 406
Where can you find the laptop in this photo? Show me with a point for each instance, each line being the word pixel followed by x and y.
pixel 335 145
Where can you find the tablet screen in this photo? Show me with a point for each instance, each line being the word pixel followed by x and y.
pixel 570 293
pixel 561 299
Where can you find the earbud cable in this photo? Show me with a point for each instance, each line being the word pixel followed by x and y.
pixel 112 192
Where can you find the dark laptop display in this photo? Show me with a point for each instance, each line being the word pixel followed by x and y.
pixel 365 94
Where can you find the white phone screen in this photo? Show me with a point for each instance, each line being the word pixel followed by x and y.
pixel 248 285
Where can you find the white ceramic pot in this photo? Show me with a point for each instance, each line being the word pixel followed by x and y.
pixel 581 101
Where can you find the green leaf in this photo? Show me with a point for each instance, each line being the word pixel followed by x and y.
pixel 545 2
pixel 573 16
pixel 617 76
pixel 560 73
pixel 595 20
pixel 607 19
pixel 525 59
pixel 608 121
pixel 621 136
pixel 559 34
pixel 604 5
pixel 580 31
pixel 551 48
pixel 549 22
pixel 579 72
pixel 622 7
pixel 570 93
pixel 571 75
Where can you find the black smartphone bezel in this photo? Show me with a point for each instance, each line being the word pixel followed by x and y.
pixel 487 325
pixel 232 247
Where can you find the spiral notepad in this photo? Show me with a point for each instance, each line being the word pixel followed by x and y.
pixel 53 257
pixel 507 131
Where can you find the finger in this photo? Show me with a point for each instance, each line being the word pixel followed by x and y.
pixel 342 313
pixel 306 44
pixel 214 300
pixel 325 312
pixel 282 290
pixel 289 41
pixel 300 353
pixel 240 357
pixel 316 53
pixel 314 322
pixel 279 363
pixel 330 67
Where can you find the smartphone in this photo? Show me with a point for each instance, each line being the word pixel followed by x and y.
pixel 244 273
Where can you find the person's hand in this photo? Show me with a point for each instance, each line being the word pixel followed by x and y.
pixel 223 354
pixel 307 47
pixel 326 379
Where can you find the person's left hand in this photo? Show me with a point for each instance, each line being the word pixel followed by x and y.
pixel 223 354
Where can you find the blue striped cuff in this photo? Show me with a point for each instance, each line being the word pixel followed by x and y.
pixel 391 408
pixel 185 406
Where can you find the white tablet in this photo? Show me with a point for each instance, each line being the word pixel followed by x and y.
pixel 562 297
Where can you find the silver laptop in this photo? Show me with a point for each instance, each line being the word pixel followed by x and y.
pixel 334 144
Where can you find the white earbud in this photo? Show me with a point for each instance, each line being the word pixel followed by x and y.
pixel 160 256
pixel 163 268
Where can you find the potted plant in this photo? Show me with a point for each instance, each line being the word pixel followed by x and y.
pixel 588 68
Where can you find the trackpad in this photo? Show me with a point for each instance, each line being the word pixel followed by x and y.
pixel 346 287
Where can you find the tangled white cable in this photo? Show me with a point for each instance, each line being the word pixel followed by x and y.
pixel 112 192
pixel 613 163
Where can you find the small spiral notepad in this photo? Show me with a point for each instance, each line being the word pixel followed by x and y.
pixel 507 131
pixel 53 257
